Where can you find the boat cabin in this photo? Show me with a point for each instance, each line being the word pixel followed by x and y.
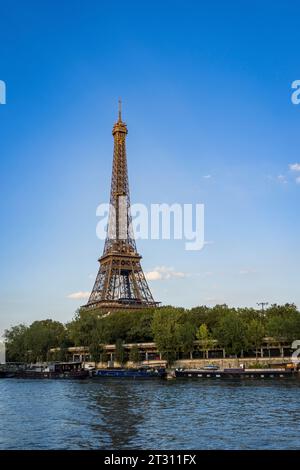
pixel 64 367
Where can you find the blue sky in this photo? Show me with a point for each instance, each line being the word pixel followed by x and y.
pixel 206 90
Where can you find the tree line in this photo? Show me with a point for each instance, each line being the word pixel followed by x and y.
pixel 173 330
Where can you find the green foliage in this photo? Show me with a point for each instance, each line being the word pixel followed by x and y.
pixel 104 357
pixel 281 310
pixel 130 326
pixel 95 350
pixel 186 336
pixel 16 343
pixel 86 328
pixel 165 333
pixel 173 329
pixel 258 365
pixel 255 333
pixel 172 333
pixel 204 336
pixel 231 333
pixel 34 342
pixel 134 354
pixel 249 314
pixel 206 315
pixel 63 354
pixel 43 335
pixel 120 353
pixel 287 328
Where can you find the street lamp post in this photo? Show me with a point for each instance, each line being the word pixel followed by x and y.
pixel 262 305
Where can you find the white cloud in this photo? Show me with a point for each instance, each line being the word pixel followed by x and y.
pixel 205 274
pixel 162 273
pixel 247 271
pixel 294 166
pixel 79 295
pixel 153 276
pixel 282 179
pixel 206 176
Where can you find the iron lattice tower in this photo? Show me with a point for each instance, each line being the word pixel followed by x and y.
pixel 120 282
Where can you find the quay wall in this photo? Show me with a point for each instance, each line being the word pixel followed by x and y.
pixel 231 362
pixel 199 363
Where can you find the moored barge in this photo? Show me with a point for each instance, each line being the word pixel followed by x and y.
pixel 141 373
pixel 235 373
pixel 56 370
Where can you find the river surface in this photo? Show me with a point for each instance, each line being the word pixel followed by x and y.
pixel 154 414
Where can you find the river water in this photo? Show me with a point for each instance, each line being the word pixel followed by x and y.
pixel 154 414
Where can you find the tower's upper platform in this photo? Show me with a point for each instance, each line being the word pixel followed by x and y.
pixel 120 126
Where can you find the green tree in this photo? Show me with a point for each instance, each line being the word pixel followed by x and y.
pixel 120 353
pixel 247 314
pixel 164 332
pixel 34 342
pixel 231 333
pixel 134 354
pixel 104 356
pixel 281 310
pixel 95 350
pixel 42 336
pixel 16 343
pixel 170 334
pixel 205 339
pixel 285 328
pixel 85 326
pixel 185 333
pixel 140 328
pixel 255 333
pixel 215 314
pixel 199 315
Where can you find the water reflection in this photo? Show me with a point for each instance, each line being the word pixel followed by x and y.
pixel 117 405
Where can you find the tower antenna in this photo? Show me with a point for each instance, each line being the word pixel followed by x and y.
pixel 120 109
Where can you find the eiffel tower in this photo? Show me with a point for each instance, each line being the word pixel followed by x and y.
pixel 120 282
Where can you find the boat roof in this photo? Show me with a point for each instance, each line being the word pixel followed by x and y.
pixel 67 363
